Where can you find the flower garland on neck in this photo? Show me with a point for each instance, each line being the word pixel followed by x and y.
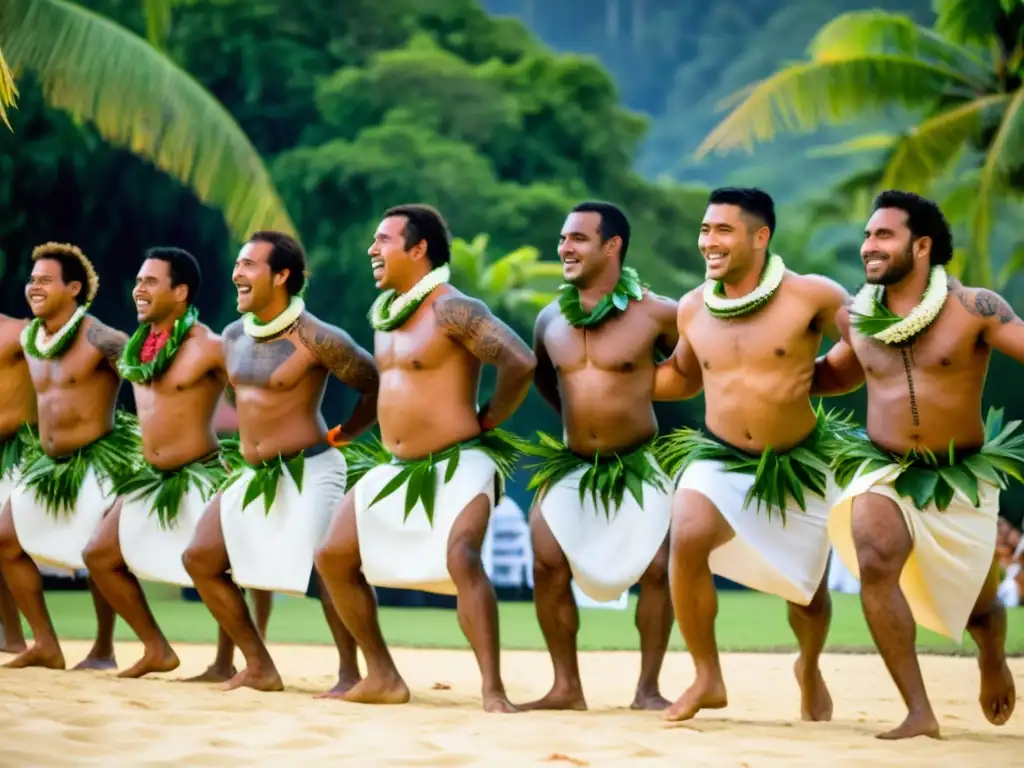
pixel 255 329
pixel 628 287
pixel 721 306
pixel 131 366
pixel 391 309
pixel 871 318
pixel 57 344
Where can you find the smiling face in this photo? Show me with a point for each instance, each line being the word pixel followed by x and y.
pixel 584 256
pixel 253 278
pixel 155 299
pixel 47 293
pixel 393 266
pixel 729 241
pixel 888 250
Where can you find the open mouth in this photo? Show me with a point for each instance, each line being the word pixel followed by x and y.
pixel 142 304
pixel 570 261
pixel 874 261
pixel 244 290
pixel 716 259
pixel 377 265
pixel 36 299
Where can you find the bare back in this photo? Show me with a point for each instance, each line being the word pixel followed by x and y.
pixel 757 369
pixel 77 392
pixel 176 410
pixel 430 381
pixel 17 396
pixel 605 375
pixel 929 393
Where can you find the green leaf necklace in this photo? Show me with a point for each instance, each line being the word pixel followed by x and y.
pixel 628 287
pixel 58 343
pixel 131 366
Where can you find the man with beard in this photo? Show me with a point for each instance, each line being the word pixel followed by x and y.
pixel 84 449
pixel 916 518
pixel 176 367
pixel 17 416
pixel 751 502
pixel 268 520
pixel 601 515
pixel 417 517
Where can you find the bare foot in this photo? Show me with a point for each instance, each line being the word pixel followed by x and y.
pixel 915 725
pixel 164 660
pixel 998 692
pixel 213 674
pixel 650 701
pixel 96 663
pixel 343 686
pixel 14 647
pixel 38 656
pixel 499 702
pixel 700 695
pixel 255 679
pixel 379 690
pixel 815 701
pixel 559 698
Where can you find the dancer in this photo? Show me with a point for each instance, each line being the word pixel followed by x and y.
pixel 176 367
pixel 264 526
pixel 601 515
pixel 17 415
pixel 84 448
pixel 751 501
pixel 417 517
pixel 916 518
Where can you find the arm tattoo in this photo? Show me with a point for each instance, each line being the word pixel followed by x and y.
pixel 109 342
pixel 471 322
pixel 340 355
pixel 985 304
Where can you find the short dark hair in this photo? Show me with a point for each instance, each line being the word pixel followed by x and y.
pixel 285 253
pixel 72 269
pixel 924 219
pixel 751 200
pixel 422 222
pixel 614 223
pixel 183 269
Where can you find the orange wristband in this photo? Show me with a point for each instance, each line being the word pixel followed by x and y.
pixel 335 439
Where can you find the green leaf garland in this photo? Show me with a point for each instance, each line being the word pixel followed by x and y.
pixel 63 340
pixel 166 488
pixel 14 451
pixel 628 287
pixel 131 366
pixel 265 478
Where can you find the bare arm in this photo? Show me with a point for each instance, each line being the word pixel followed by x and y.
pixel 680 377
pixel 545 377
pixel 839 371
pixel 469 322
pixel 108 341
pixel 350 364
pixel 1004 330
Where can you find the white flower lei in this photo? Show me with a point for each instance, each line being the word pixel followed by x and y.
pixel 721 306
pixel 868 303
pixel 46 346
pixel 254 329
pixel 390 309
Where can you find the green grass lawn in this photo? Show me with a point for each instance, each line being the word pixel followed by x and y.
pixel 747 621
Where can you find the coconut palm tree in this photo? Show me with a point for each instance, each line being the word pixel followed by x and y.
pixel 961 82
pixel 517 284
pixel 138 99
pixel 8 91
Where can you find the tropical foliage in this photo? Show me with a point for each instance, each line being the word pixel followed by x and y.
pixel 8 90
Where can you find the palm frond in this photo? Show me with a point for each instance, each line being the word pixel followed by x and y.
pixel 933 146
pixel 139 100
pixel 1013 265
pixel 8 90
pixel 969 21
pixel 858 145
pixel 808 95
pixel 158 21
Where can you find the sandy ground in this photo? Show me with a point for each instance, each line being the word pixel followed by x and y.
pixel 91 718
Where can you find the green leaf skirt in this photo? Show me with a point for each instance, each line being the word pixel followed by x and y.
pixel 56 481
pixel 13 451
pixel 778 476
pixel 927 478
pixel 164 489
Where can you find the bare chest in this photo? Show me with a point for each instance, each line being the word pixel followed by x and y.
pixel 948 347
pixel 622 344
pixel 777 335
pixel 74 367
pixel 186 370
pixel 418 345
pixel 277 365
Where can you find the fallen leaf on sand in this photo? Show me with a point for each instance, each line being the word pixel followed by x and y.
pixel 565 758
pixel 441 687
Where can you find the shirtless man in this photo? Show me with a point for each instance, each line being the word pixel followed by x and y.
pixel 440 458
pixel 749 336
pixel 924 549
pixel 266 524
pixel 17 414
pixel 84 448
pixel 176 368
pixel 596 351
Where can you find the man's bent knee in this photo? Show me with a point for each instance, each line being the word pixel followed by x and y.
pixel 200 562
pixel 331 559
pixel 463 561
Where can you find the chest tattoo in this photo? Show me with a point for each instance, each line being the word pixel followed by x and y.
pixel 908 367
pixel 254 363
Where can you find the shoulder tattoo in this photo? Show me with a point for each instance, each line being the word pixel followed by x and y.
pixel 339 354
pixel 470 321
pixel 109 342
pixel 986 304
